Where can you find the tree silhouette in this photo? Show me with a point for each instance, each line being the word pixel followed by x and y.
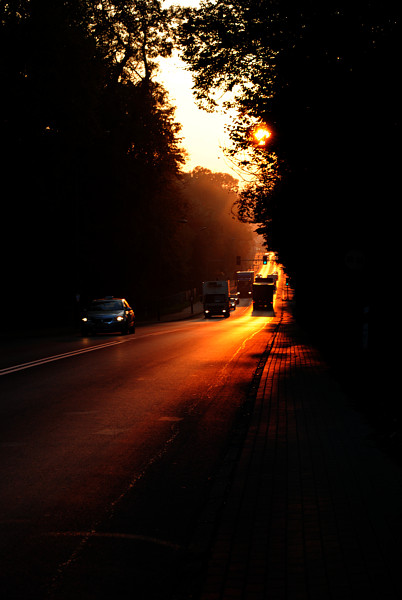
pixel 217 235
pixel 322 76
pixel 92 149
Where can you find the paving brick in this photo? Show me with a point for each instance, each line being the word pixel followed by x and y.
pixel 314 509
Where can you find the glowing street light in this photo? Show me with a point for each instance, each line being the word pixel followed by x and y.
pixel 260 135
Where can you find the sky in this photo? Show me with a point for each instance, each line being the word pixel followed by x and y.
pixel 203 133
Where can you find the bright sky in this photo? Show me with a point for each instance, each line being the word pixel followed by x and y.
pixel 203 133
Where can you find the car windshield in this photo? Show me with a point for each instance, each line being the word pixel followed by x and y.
pixel 106 305
pixel 215 298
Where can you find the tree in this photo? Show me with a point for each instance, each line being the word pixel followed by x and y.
pixel 51 81
pixel 319 74
pixel 132 35
pixel 299 69
pixel 93 150
pixel 216 235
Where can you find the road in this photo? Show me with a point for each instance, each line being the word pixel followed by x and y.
pixel 108 448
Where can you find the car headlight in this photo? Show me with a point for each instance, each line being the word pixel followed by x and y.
pixel 85 319
pixel 120 318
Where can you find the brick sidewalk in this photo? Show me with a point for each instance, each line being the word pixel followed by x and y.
pixel 314 508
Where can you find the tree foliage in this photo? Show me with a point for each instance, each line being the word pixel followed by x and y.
pixel 132 35
pixel 224 44
pixel 322 76
pixel 214 234
pixel 303 69
pixel 93 151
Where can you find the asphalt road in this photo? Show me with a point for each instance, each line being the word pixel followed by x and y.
pixel 108 447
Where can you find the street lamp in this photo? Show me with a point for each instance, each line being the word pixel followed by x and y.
pixel 259 135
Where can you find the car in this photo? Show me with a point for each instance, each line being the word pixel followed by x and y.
pixel 108 315
pixel 232 302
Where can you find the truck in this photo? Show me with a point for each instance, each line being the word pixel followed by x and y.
pixel 244 283
pixel 215 297
pixel 271 278
pixel 263 295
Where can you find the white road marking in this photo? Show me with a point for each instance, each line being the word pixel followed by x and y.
pixel 49 359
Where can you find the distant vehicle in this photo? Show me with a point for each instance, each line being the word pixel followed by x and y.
pixel 108 315
pixel 233 301
pixel 244 283
pixel 215 295
pixel 263 295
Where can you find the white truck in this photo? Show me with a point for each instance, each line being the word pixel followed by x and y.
pixel 215 297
